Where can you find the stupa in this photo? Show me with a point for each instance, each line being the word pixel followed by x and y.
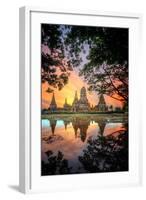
pixel 101 107
pixel 53 105
pixel 81 105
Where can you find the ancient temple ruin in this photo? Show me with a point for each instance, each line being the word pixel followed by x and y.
pixel 101 107
pixel 75 105
pixel 66 106
pixel 81 105
pixel 53 105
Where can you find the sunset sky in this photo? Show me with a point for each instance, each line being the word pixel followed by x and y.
pixel 75 84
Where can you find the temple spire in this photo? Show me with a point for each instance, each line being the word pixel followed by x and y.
pixel 66 106
pixel 75 103
pixel 102 107
pixel 66 101
pixel 53 105
pixel 101 99
pixel 76 96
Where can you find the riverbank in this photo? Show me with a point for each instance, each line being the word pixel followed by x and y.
pixel 114 117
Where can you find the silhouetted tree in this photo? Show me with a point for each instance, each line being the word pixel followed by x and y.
pixel 106 154
pixel 106 70
pixel 54 65
pixel 106 64
pixel 56 164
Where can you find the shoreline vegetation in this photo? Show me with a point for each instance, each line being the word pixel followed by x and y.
pixel 115 117
pixel 84 114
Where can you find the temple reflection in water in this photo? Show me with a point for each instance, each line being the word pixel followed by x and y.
pixel 79 125
pixel 70 135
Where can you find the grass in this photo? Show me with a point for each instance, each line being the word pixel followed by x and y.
pixel 66 116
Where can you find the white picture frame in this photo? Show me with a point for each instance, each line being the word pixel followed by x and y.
pixel 29 160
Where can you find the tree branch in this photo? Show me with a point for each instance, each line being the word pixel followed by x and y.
pixel 118 92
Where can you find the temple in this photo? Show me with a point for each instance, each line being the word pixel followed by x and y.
pixel 53 105
pixel 101 107
pixel 75 105
pixel 81 105
pixel 66 106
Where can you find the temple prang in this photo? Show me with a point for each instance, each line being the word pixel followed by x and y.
pixel 80 104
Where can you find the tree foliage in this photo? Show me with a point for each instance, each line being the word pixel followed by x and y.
pixel 54 65
pixel 106 70
pixel 56 164
pixel 111 80
pixel 106 154
pixel 105 67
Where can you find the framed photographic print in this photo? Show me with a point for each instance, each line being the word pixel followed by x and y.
pixel 79 101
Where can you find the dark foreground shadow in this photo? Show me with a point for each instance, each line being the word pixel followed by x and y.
pixel 56 164
pixel 14 187
pixel 106 154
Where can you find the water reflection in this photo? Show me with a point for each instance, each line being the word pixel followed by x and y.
pixel 106 154
pixel 53 125
pixel 75 137
pixel 82 125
